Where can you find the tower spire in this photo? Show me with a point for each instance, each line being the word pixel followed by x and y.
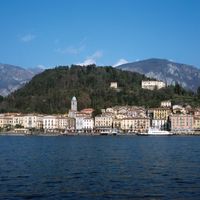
pixel 74 104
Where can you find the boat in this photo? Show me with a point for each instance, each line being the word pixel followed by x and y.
pixel 109 132
pixel 156 131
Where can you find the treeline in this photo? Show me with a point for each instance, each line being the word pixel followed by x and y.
pixel 51 91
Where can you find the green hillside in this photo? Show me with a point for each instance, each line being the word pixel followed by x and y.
pixel 51 91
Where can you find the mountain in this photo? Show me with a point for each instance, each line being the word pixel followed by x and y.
pixel 170 72
pixel 51 91
pixel 13 77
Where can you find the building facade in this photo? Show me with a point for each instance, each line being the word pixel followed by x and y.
pixel 50 123
pixel 167 104
pixel 113 85
pixel 88 124
pixel 152 85
pixel 161 124
pixel 103 122
pixel 135 125
pixel 182 122
pixel 160 113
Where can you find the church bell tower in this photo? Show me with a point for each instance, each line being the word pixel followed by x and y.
pixel 74 104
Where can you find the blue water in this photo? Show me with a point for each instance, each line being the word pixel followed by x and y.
pixel 100 167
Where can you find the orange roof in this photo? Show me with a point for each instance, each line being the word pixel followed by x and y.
pixel 87 110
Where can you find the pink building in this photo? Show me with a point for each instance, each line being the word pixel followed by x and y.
pixel 182 122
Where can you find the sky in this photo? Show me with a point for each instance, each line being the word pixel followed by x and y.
pixel 48 33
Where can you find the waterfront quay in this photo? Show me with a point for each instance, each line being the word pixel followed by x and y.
pixel 118 120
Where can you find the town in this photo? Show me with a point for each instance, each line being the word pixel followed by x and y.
pixel 178 119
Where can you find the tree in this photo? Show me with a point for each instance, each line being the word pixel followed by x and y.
pixel 177 88
pixel 1 98
pixel 198 92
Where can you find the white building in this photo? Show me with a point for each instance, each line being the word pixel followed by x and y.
pixel 62 122
pixel 151 85
pixel 79 123
pixel 18 120
pixel 28 121
pixel 50 122
pixel 160 124
pixel 167 104
pixel 88 124
pixel 113 85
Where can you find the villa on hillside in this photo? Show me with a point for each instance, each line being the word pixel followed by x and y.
pixel 151 85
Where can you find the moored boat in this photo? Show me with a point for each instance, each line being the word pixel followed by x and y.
pixel 155 131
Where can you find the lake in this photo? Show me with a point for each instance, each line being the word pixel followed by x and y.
pixel 99 167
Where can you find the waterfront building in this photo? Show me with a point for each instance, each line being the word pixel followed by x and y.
pixel 88 124
pixel 6 120
pixel 151 85
pixel 50 123
pixel 71 124
pixel 39 122
pixel 128 125
pixel 182 123
pixel 103 122
pixel 62 122
pixel 160 113
pixel 79 123
pixel 196 125
pixel 117 123
pixel 58 123
pixel 135 125
pixel 30 121
pixel 161 124
pixel 1 120
pixel 18 120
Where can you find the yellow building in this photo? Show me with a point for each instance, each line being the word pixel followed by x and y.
pixel 103 122
pixel 1 121
pixel 136 125
pixel 196 124
pixel 160 113
pixel 6 120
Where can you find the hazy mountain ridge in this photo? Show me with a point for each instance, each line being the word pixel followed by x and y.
pixel 13 77
pixel 51 91
pixel 170 72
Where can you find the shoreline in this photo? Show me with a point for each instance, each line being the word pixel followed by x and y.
pixel 90 134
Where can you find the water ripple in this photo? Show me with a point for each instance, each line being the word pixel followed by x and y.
pixel 99 168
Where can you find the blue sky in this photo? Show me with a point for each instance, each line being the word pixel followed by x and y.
pixel 63 32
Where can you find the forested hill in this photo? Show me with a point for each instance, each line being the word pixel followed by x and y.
pixel 52 90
